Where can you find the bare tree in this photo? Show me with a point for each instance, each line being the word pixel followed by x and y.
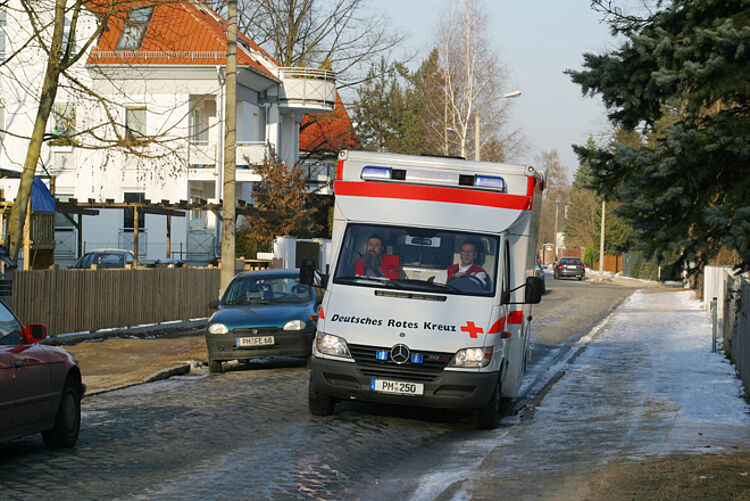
pixel 63 32
pixel 472 80
pixel 341 35
pixel 555 193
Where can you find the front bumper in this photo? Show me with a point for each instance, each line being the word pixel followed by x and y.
pixel 287 344
pixel 450 390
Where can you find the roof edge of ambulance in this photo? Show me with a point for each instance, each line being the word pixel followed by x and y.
pixel 453 163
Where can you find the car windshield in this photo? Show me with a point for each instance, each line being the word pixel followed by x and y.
pixel 264 289
pixel 418 259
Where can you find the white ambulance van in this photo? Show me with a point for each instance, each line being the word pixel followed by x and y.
pixel 427 302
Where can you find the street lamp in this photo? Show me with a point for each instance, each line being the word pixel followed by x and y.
pixel 477 146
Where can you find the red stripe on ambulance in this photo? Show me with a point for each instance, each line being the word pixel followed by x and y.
pixel 431 194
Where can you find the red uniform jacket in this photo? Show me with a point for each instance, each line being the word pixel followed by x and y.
pixel 388 266
pixel 473 270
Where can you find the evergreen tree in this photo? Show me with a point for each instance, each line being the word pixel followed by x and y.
pixel 683 77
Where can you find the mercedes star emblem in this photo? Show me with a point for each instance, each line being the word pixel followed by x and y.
pixel 400 354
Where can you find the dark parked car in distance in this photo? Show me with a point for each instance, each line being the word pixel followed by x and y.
pixel 40 386
pixel 262 314
pixel 569 267
pixel 105 258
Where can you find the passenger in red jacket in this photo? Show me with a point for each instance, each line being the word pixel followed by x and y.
pixel 467 266
pixel 375 263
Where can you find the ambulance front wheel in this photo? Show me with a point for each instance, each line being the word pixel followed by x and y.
pixel 319 403
pixel 488 417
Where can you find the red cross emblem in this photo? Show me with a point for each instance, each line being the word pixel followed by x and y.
pixel 472 329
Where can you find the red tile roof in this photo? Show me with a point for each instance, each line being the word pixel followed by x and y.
pixel 178 33
pixel 328 132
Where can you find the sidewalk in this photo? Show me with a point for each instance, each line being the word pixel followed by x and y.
pixel 644 410
pixel 128 357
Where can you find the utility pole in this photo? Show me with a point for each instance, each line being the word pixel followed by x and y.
pixel 601 242
pixel 557 211
pixel 230 152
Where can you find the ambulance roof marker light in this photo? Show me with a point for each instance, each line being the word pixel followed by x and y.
pixel 375 173
pixel 489 182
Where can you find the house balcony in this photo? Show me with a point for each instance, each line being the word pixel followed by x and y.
pixel 307 90
pixel 249 153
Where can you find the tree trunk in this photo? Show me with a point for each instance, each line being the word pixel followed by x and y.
pixel 46 100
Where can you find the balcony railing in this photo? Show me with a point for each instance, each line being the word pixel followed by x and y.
pixel 307 89
pixel 253 152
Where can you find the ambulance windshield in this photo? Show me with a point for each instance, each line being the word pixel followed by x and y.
pixel 418 259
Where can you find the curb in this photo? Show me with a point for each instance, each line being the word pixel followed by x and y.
pixel 178 370
pixel 143 331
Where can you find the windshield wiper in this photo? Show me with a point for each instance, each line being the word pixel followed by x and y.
pixel 380 280
pixel 426 283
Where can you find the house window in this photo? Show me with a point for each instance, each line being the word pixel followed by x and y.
pixel 128 222
pixel 2 34
pixel 69 38
pixel 198 126
pixel 64 122
pixel 135 123
pixel 202 111
pixel 134 29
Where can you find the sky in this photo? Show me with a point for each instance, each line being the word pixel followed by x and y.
pixel 536 41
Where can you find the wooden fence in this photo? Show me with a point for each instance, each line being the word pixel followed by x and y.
pixel 87 300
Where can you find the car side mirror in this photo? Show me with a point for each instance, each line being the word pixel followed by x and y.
pixel 36 332
pixel 533 292
pixel 214 304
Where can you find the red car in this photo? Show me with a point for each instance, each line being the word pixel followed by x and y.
pixel 40 386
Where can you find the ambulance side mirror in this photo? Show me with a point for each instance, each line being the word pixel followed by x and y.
pixel 307 274
pixel 533 292
pixel 307 271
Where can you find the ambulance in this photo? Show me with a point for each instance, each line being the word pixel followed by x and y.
pixel 428 300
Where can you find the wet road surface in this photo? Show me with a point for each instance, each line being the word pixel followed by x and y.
pixel 247 434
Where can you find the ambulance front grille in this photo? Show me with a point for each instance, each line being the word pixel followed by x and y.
pixel 432 364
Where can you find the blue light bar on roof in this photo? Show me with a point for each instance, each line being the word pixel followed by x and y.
pixel 490 182
pixel 377 173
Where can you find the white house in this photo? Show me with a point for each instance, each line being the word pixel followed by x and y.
pixel 140 117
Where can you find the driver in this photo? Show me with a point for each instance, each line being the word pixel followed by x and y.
pixel 467 266
pixel 375 263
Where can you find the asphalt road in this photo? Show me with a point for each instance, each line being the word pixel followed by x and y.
pixel 247 434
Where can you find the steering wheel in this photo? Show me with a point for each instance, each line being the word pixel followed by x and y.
pixel 469 283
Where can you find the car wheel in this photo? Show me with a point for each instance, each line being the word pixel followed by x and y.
pixel 214 366
pixel 488 417
pixel 580 278
pixel 319 403
pixel 67 420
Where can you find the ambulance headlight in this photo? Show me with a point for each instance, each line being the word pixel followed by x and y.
pixel 328 344
pixel 472 357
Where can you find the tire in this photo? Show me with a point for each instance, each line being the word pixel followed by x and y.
pixel 488 417
pixel 580 278
pixel 319 403
pixel 214 366
pixel 64 433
